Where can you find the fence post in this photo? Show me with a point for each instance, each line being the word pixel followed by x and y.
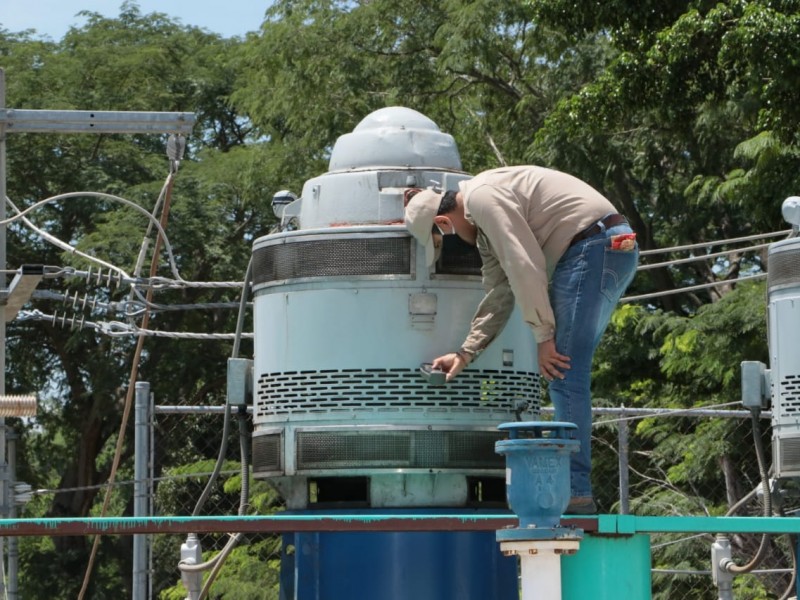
pixel 622 440
pixel 13 543
pixel 140 495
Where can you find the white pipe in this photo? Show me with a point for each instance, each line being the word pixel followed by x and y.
pixel 540 565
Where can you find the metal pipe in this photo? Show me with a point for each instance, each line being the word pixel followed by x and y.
pixel 95 121
pixel 151 474
pixel 624 492
pixel 609 525
pixel 3 131
pixel 263 524
pixel 191 410
pixel 13 543
pixel 140 495
pixel 540 566
pixel 628 413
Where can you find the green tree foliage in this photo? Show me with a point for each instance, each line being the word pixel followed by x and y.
pixel 474 67
pixel 678 121
pixel 684 465
pixel 684 114
pixel 219 204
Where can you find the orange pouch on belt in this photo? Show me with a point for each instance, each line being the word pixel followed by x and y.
pixel 624 241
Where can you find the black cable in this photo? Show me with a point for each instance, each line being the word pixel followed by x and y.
pixel 730 566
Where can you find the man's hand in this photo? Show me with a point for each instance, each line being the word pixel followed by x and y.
pixel 452 364
pixel 551 363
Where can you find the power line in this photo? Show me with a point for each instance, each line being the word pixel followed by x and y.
pixel 748 238
pixel 119 329
pixel 128 308
pixel 693 288
pixel 159 283
pixel 100 486
pixel 679 261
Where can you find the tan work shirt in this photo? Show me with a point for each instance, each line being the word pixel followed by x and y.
pixel 526 218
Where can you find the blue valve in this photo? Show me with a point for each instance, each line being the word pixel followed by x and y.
pixel 537 470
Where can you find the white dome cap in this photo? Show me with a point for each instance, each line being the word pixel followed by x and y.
pixel 395 136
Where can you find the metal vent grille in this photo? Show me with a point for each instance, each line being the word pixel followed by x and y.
pixel 267 452
pixel 458 258
pixel 789 456
pixel 341 257
pixel 784 268
pixel 398 449
pixel 790 394
pixel 394 390
pixel 351 449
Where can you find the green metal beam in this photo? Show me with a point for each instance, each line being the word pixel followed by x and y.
pixel 601 524
pixel 631 524
pixel 253 524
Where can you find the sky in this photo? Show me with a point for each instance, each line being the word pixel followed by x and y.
pixel 54 17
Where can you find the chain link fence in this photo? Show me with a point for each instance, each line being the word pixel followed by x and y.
pixel 632 474
pixel 709 469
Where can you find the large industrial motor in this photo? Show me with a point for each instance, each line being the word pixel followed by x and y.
pixel 783 289
pixel 346 310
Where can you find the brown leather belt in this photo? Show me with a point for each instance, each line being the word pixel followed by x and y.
pixel 608 222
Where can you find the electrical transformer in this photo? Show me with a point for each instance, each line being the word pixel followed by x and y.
pixel 345 312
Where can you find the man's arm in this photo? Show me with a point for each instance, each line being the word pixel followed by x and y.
pixel 490 317
pixel 499 215
pixel 496 306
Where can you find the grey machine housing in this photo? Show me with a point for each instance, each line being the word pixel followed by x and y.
pixel 346 310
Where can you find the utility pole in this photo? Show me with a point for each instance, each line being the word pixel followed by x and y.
pixel 60 121
pixel 3 484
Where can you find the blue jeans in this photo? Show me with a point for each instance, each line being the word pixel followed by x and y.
pixel 586 285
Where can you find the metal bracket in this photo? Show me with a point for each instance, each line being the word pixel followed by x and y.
pixel 21 289
pixel 240 381
pixel 756 383
pixel 95 121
